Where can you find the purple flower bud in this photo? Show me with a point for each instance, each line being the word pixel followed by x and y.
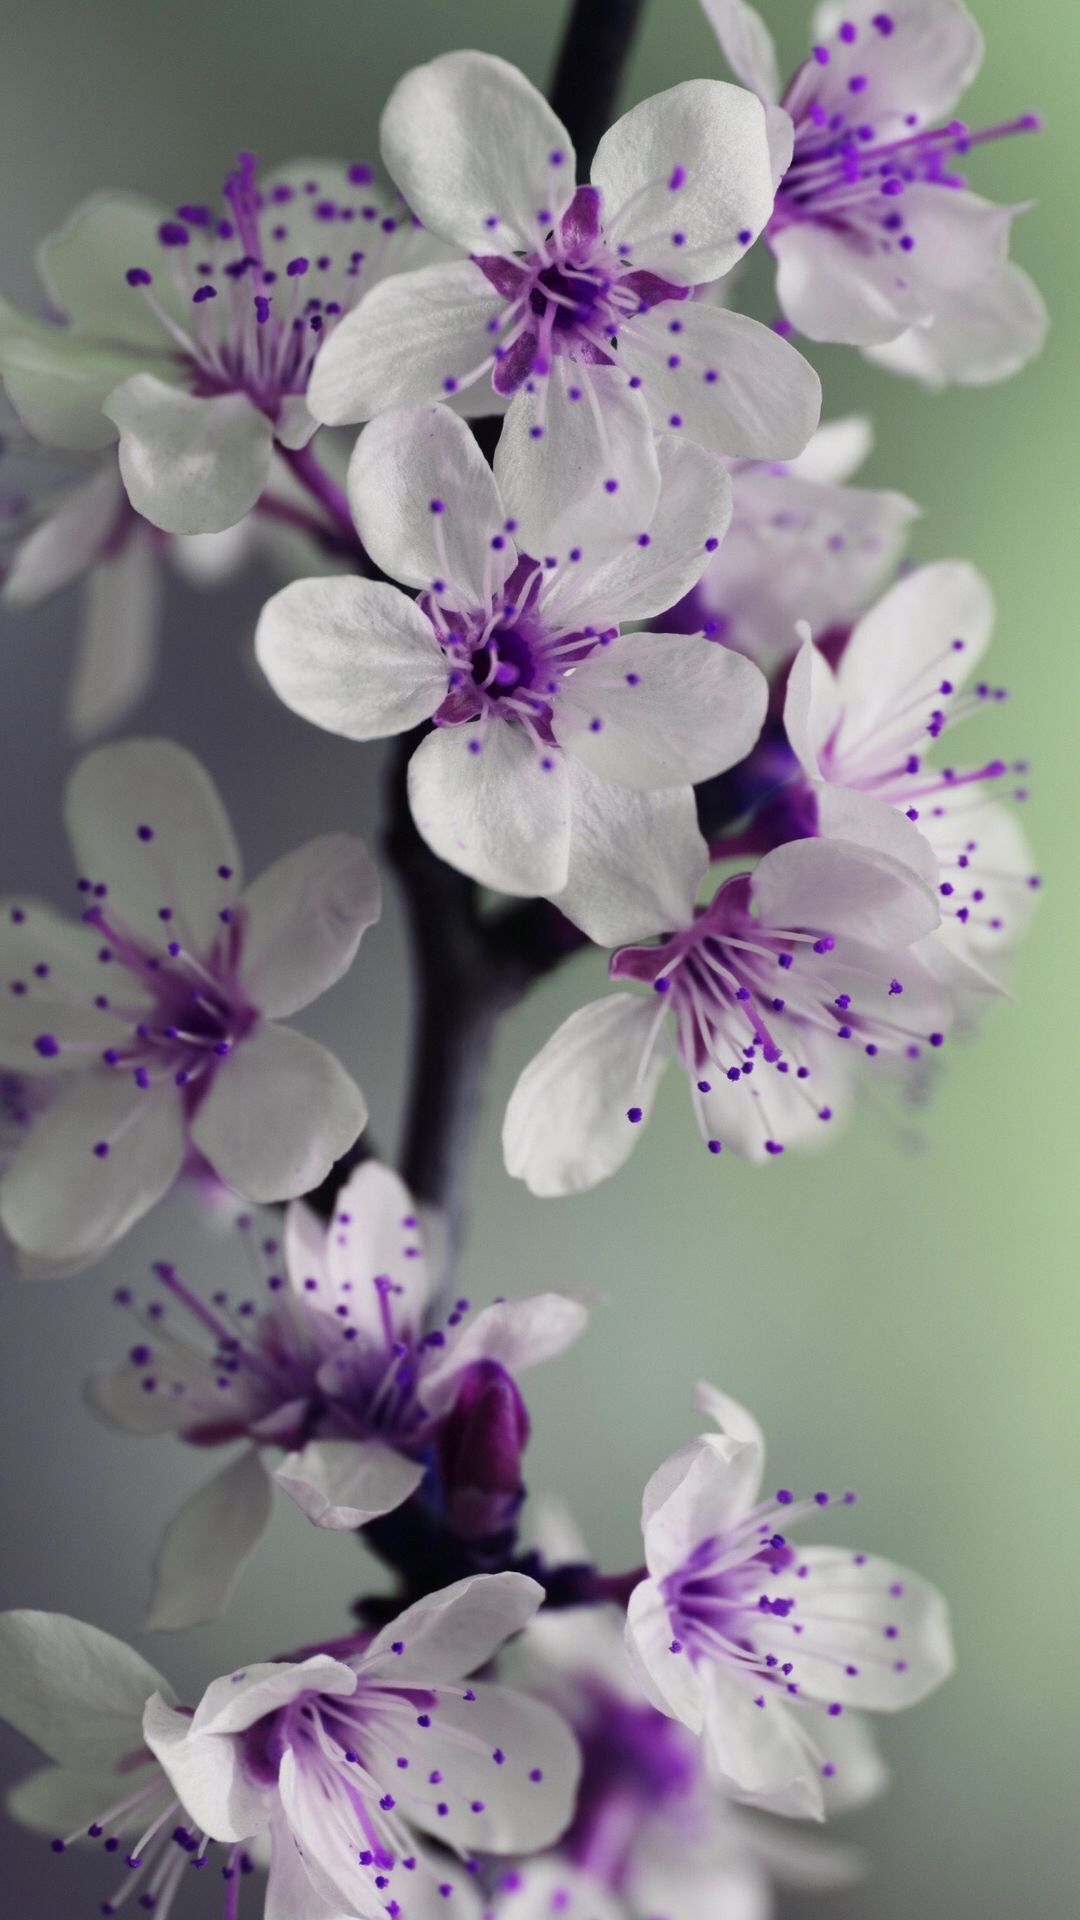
pixel 480 1445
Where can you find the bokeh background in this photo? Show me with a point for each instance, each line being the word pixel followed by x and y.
pixel 903 1312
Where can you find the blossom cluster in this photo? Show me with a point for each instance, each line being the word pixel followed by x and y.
pixel 663 678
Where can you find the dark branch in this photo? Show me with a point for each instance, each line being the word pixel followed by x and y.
pixel 590 67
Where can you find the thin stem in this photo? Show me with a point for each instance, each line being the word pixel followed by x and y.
pixel 329 538
pixel 596 43
pixel 333 499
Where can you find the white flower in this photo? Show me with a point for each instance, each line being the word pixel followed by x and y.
pixel 80 1696
pixel 351 1763
pixel 801 546
pixel 191 337
pixel 159 1012
pixel 351 1370
pixel 755 1644
pixel 768 992
pixel 516 654
pixel 576 300
pixel 651 1832
pixel 862 732
pixel 90 535
pixel 877 240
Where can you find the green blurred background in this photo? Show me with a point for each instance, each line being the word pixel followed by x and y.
pixel 902 1312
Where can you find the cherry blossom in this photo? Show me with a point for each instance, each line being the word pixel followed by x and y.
pixel 576 304
pixel 768 992
pixel 74 525
pixel 190 336
pixel 354 1761
pixel 863 732
pixel 755 1644
pixel 157 1015
pixel 878 240
pixel 352 1370
pixel 651 1833
pixel 802 545
pixel 539 703
pixel 80 1696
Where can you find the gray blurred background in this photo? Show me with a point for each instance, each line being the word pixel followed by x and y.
pixel 901 1313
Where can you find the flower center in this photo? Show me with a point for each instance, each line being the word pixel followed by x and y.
pixel 748 999
pixel 251 294
pixel 571 296
pixel 854 159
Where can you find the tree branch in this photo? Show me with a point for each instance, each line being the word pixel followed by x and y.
pixel 589 70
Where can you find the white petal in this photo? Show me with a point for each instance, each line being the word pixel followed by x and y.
pixel 985 334
pixel 303 921
pixel 118 639
pixel 728 1415
pixel 831 287
pixel 541 1887
pixel 415 337
pixel 906 641
pixel 811 707
pixel 354 656
pixel 59 1002
pixel 451 1633
pixel 800 550
pixel 62 1800
pixel 576 463
pixel 566 1125
pixel 115 791
pixel 207 1545
pixel 189 465
pixel 759 1753
pixel 746 44
pixel 374 1238
pixel 477 152
pixel 960 241
pixel 837 450
pixel 832 887
pixel 661 710
pixel 525 1797
pixel 280 1112
pixel 845 813
pixel 404 463
pixel 858 1609
pixel 343 1484
pixel 67 543
pixel 494 806
pixel 237 1700
pixel 708 1488
pixel 668 1678
pixel 295 423
pixel 62 1201
pixel 58 385
pixel 692 162
pixel 770 1109
pixel 515 1333
pixel 700 1875
pixel 208 560
pixel 636 859
pixel 76 1692
pixel 737 387
pixel 291 1893
pixel 660 565
pixel 84 266
pixel 923 66
pixel 859 1772
pixel 208 1775
pixel 118 1395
